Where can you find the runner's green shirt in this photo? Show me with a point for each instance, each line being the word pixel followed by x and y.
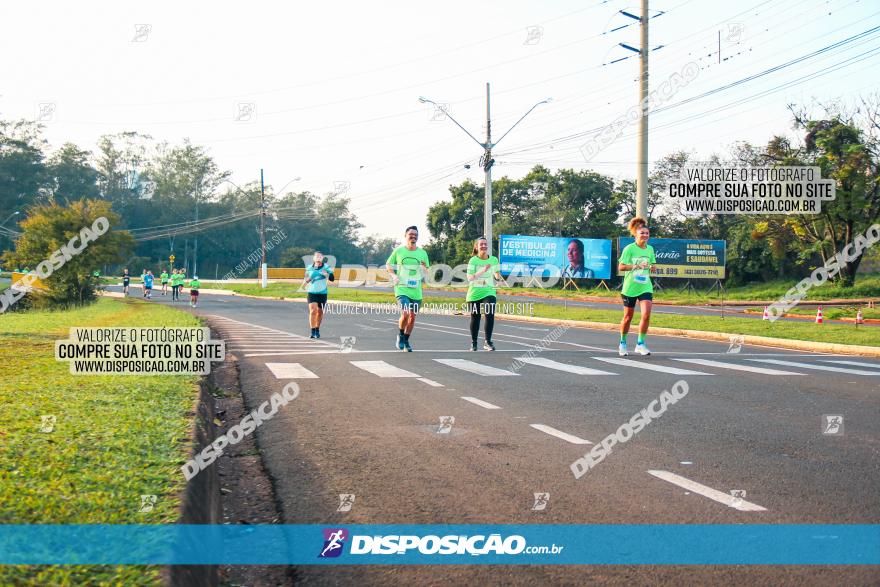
pixel 484 285
pixel 637 281
pixel 407 265
pixel 164 277
pixel 194 284
pixel 177 279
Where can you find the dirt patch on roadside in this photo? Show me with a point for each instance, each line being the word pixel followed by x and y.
pixel 247 494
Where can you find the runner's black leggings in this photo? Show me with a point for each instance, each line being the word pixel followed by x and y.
pixel 174 292
pixel 488 305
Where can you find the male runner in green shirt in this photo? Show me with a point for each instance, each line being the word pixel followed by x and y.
pixel 407 265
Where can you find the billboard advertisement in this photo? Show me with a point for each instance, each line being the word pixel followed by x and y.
pixel 685 258
pixel 574 257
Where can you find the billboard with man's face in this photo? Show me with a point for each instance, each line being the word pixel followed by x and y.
pixel 572 257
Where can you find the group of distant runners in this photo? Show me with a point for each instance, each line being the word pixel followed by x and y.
pixel 176 279
pixel 408 263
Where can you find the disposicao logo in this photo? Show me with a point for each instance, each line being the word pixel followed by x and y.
pixel 334 541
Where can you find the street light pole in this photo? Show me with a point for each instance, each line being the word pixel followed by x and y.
pixel 487 165
pixel 264 281
pixel 487 160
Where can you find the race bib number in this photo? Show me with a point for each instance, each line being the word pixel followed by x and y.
pixel 640 275
pixel 413 282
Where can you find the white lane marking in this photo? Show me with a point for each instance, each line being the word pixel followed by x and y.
pixel 383 369
pixel 817 367
pixel 290 371
pixel 480 403
pixel 856 364
pixel 287 354
pixel 524 327
pixel 540 341
pixel 560 434
pixel 476 368
pixel 430 382
pixel 736 503
pixel 649 366
pixel 551 364
pixel 262 336
pixel 737 367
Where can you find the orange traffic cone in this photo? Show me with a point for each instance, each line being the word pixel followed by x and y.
pixel 766 314
pixel 819 315
pixel 859 319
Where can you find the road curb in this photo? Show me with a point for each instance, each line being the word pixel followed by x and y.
pixel 785 343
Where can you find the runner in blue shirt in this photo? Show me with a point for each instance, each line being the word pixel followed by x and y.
pixel 316 277
pixel 148 285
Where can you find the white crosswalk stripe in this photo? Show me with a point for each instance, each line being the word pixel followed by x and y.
pixel 817 367
pixel 737 367
pixel 649 366
pixel 476 368
pixel 290 371
pixel 383 369
pixel 551 364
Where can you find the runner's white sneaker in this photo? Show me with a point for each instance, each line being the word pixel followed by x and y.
pixel 621 350
pixel 642 349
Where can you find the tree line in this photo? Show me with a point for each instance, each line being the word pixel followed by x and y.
pixel 844 145
pixel 173 199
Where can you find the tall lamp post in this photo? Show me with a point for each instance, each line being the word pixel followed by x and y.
pixel 487 160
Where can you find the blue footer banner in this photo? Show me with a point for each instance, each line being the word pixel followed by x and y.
pixel 748 544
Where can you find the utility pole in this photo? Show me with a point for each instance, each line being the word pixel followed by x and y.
pixel 642 184
pixel 486 160
pixel 487 166
pixel 196 243
pixel 264 269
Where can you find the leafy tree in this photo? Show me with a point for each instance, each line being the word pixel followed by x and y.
pixel 850 155
pixel 72 176
pixel 50 227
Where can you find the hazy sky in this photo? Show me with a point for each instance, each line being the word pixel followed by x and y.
pixel 329 91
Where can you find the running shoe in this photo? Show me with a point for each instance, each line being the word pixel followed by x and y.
pixel 474 345
pixel 489 345
pixel 642 349
pixel 621 350
pixel 317 333
pixel 400 342
pixel 406 346
pixel 312 335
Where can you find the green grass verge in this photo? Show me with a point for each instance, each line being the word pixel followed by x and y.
pixel 115 438
pixel 836 333
pixel 867 285
pixel 837 312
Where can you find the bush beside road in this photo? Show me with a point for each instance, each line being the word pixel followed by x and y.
pixel 115 438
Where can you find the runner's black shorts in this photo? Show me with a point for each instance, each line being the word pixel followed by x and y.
pixel 318 298
pixel 408 304
pixel 630 301
pixel 194 293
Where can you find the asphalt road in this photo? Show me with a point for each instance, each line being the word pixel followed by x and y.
pixel 367 422
pixel 754 311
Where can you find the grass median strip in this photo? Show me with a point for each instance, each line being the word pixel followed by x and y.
pixel 113 438
pixel 791 330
